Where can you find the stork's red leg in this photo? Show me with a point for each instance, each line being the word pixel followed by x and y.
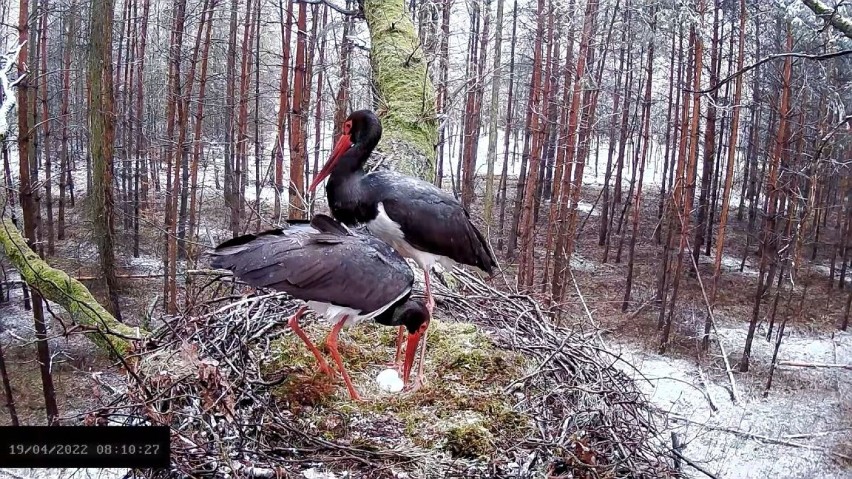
pixel 396 363
pixel 332 345
pixel 294 324
pixel 430 300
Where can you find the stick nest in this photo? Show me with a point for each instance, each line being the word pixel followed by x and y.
pixel 507 394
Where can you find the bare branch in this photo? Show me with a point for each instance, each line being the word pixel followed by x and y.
pixel 774 56
pixel 340 10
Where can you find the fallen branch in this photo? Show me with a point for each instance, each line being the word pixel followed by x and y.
pixel 799 364
pixel 734 395
pixel 758 437
pixel 55 285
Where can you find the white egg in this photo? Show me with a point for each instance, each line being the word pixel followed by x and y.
pixel 389 380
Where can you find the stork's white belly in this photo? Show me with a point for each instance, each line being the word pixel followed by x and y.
pixel 391 233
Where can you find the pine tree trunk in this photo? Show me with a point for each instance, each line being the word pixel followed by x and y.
pixel 298 155
pixel 568 191
pixel 709 142
pixel 284 100
pixel 173 169
pixel 209 10
pixel 230 182
pixel 769 243
pixel 318 123
pixel 64 166
pixel 45 124
pixel 646 140
pixel 526 265
pixel 510 100
pixel 29 206
pixel 496 81
pixel 729 174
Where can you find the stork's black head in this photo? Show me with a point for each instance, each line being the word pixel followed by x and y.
pixel 411 314
pixel 361 133
pixel 414 315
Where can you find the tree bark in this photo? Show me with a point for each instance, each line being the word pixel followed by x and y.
pixel 283 101
pixel 298 155
pixel 769 243
pixel 405 92
pixel 729 175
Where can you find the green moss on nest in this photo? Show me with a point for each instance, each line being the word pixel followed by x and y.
pixel 469 440
pixel 462 397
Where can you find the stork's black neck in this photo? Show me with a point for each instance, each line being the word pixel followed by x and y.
pixel 348 200
pixel 365 136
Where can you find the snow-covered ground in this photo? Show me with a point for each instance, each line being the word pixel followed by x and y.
pixel 806 407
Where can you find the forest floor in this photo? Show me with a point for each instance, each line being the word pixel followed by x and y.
pixel 801 429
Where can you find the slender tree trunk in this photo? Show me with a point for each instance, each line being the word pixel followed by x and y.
pixel 709 142
pixel 64 166
pixel 671 133
pixel 7 389
pixel 768 240
pixel 616 99
pixel 298 154
pixel 230 182
pixel 284 99
pixel 686 191
pixel 568 192
pixel 29 206
pixel 45 114
pixel 495 110
pixel 729 175
pixel 183 152
pixel 319 112
pixel 209 10
pixel 173 166
pixel 526 266
pixel 443 81
pixel 646 140
pixel 141 175
pixel 504 179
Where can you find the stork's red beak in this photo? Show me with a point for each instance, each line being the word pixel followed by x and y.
pixel 343 144
pixel 411 350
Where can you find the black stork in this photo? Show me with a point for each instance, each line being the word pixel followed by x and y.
pixel 342 275
pixel 418 219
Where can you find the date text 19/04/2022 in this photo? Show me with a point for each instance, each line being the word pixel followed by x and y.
pixel 84 446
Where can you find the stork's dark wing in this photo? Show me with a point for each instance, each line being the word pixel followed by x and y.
pixel 310 265
pixel 431 219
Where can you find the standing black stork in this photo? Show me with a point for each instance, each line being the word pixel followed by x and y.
pixel 419 220
pixel 345 276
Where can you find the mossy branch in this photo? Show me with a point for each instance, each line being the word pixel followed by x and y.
pixel 406 94
pixel 55 285
pixel 831 16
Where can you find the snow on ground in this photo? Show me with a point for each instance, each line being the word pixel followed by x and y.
pixel 808 407
pixel 731 264
pixel 89 473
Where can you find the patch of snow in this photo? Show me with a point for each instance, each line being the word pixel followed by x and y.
pixel 804 407
pixel 314 473
pixel 70 473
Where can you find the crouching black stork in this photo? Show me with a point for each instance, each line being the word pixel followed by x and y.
pixel 344 276
pixel 419 220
